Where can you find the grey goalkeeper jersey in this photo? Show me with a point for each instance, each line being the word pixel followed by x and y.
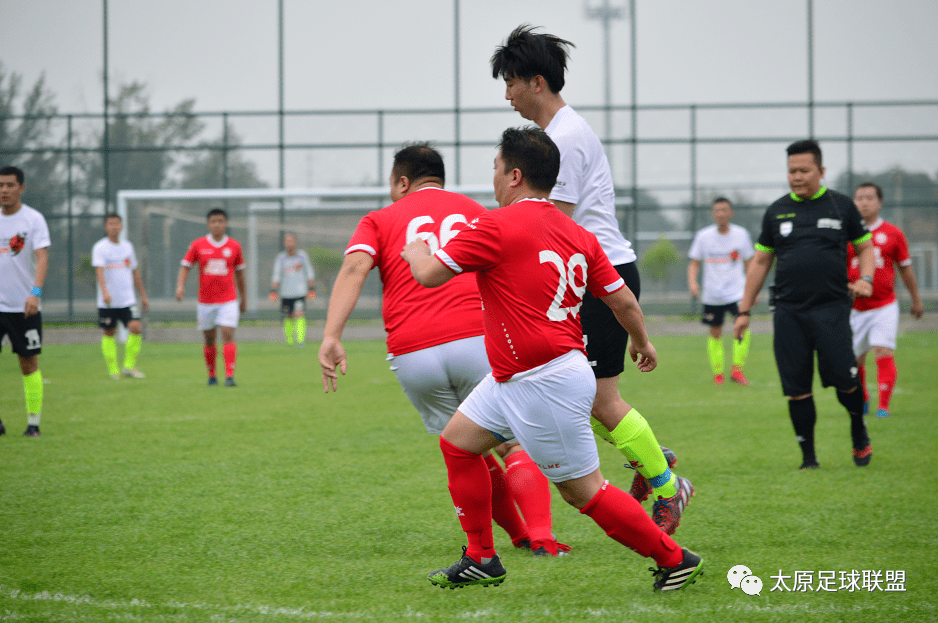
pixel 293 272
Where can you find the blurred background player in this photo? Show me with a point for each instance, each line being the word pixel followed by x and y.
pixel 808 231
pixel 24 236
pixel 435 338
pixel 221 266
pixel 533 264
pixel 875 319
pixel 533 66
pixel 294 280
pixel 725 250
pixel 115 265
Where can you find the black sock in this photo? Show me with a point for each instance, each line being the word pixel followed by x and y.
pixel 853 403
pixel 803 416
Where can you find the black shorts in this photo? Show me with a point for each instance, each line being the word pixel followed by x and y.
pixel 108 317
pixel 25 333
pixel 824 329
pixel 713 315
pixel 605 338
pixel 290 306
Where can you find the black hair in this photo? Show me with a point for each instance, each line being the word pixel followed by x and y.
pixel 526 54
pixel 533 153
pixel 417 161
pixel 809 146
pixel 11 170
pixel 111 215
pixel 876 187
pixel 722 200
pixel 215 211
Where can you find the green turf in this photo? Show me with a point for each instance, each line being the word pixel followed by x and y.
pixel 166 500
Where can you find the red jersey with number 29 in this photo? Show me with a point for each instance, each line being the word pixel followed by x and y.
pixel 217 263
pixel 417 317
pixel 533 265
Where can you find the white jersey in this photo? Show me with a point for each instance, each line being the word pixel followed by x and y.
pixel 585 180
pixel 293 273
pixel 722 257
pixel 118 261
pixel 20 235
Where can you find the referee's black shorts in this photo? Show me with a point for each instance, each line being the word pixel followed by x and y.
pixel 824 329
pixel 604 336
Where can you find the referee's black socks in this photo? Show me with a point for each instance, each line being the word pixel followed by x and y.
pixel 803 416
pixel 853 403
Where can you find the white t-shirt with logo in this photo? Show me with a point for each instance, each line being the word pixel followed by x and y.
pixel 585 180
pixel 723 257
pixel 20 235
pixel 118 261
pixel 293 273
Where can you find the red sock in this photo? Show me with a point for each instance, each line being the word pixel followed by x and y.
pixel 473 502
pixel 886 376
pixel 504 511
pixel 532 493
pixel 626 521
pixel 231 356
pixel 861 372
pixel 210 352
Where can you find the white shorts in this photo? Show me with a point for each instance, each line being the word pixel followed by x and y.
pixel 439 378
pixel 547 410
pixel 213 315
pixel 875 327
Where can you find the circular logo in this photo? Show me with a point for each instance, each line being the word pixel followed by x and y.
pixel 226 252
pixel 880 238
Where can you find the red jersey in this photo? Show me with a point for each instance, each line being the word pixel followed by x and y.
pixel 889 248
pixel 217 262
pixel 534 264
pixel 416 317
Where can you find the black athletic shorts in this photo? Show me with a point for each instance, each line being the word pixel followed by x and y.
pixel 289 306
pixel 25 333
pixel 713 315
pixel 605 338
pixel 824 329
pixel 108 317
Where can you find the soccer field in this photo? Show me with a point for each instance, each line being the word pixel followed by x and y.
pixel 165 500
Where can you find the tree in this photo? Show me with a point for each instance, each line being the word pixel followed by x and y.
pixel 659 260
pixel 221 166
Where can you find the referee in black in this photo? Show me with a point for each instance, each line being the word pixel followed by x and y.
pixel 808 231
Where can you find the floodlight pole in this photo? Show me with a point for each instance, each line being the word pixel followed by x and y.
pixel 810 69
pixel 456 121
pixel 106 146
pixel 606 13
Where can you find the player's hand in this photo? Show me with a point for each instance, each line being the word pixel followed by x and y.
pixel 332 359
pixel 272 296
pixel 860 288
pixel 106 297
pixel 31 308
pixel 695 290
pixel 311 295
pixel 416 249
pixel 180 292
pixel 243 305
pixel 918 308
pixel 645 356
pixel 740 326
pixel 145 302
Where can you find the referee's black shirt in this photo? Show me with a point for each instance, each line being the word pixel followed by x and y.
pixel 809 239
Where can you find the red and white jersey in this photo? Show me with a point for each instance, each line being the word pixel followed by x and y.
pixel 534 264
pixel 889 248
pixel 217 262
pixel 416 317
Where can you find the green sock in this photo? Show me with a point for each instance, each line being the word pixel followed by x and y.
pixel 131 350
pixel 741 349
pixel 635 439
pixel 32 387
pixel 109 348
pixel 715 350
pixel 301 329
pixel 288 329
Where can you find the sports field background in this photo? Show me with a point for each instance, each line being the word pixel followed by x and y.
pixel 166 500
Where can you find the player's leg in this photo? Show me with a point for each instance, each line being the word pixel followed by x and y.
pixel 228 317
pixel 794 357
pixel 134 343
pixel 286 313
pixel 740 350
pixel 207 314
pixel 107 320
pixel 299 320
pixel 26 340
pixel 883 339
pixel 713 317
pixel 860 325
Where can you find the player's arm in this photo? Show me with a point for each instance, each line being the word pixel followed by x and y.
pixel 693 270
pixel 181 281
pixel 625 306
pixel 138 281
pixel 242 289
pixel 564 206
pixel 759 267
pixel 105 295
pixel 867 266
pixel 31 308
pixel 348 287
pixel 426 269
pixel 911 284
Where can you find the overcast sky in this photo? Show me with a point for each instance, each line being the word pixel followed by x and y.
pixel 369 54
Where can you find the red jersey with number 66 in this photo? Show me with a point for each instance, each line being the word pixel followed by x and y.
pixel 534 264
pixel 417 317
pixel 218 261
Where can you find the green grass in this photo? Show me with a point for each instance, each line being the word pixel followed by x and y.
pixel 165 500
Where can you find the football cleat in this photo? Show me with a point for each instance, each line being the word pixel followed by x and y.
pixel 212 380
pixel 882 413
pixel 549 547
pixel 641 488
pixel 115 377
pixel 863 457
pixel 738 377
pixel 32 431
pixel 667 512
pixel 718 379
pixel 809 465
pixel 467 572
pixel 676 578
pixel 229 382
pixel 134 373
pixel 3 429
